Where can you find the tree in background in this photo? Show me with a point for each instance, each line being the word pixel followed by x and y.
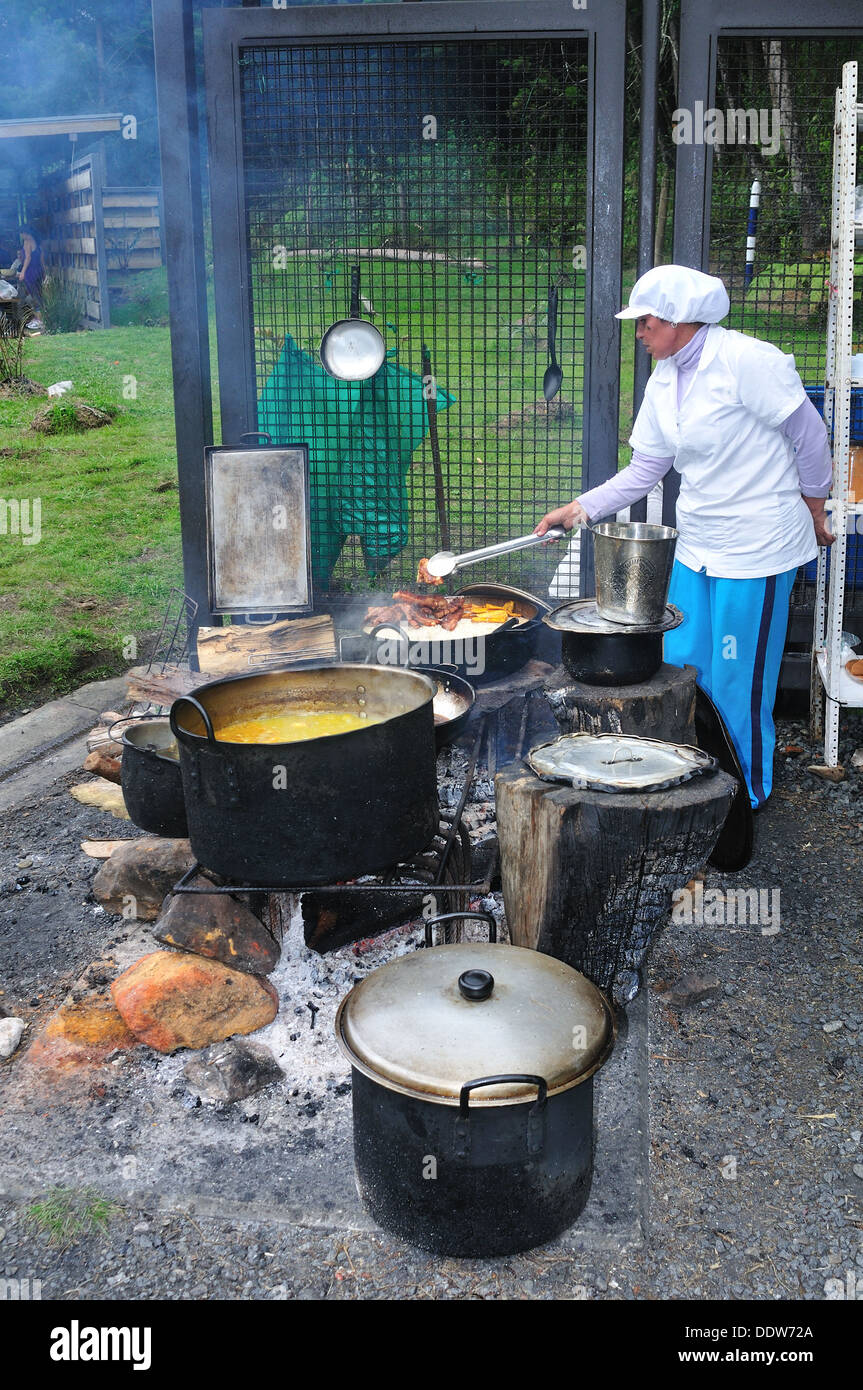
pixel 82 58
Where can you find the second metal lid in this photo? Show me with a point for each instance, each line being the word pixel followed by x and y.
pixel 428 1022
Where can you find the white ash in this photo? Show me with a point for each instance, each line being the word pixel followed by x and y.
pixel 309 1055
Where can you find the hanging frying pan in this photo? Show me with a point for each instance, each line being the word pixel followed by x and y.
pixel 733 849
pixel 353 349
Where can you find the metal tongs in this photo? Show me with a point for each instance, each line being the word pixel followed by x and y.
pixel 445 562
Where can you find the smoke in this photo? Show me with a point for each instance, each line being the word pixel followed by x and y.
pixel 76 59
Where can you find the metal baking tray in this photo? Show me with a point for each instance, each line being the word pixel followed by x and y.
pixel 258 546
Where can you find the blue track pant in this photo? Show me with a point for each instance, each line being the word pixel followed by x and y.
pixel 733 632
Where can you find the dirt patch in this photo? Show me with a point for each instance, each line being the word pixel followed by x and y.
pixel 74 607
pixel 65 416
pixel 13 453
pixel 13 388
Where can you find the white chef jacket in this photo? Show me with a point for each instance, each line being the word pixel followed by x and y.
pixel 740 513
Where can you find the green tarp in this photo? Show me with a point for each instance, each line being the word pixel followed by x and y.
pixel 361 436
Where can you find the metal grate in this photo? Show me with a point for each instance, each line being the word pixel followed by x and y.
pixel 788 86
pixel 454 175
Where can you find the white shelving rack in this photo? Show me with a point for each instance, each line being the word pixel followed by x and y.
pixel 830 682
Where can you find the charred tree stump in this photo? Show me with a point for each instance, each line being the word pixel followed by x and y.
pixel 588 877
pixel 663 707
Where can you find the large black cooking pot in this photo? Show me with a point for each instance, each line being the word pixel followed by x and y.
pixel 486 657
pixel 316 810
pixel 151 779
pixel 473 1074
pixel 599 652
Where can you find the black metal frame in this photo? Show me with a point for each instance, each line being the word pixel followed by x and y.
pixel 224 31
pixel 183 241
pixel 650 32
pixel 183 885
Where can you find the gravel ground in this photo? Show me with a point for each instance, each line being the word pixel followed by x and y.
pixel 756 1158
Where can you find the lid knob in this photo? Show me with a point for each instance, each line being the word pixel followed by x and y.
pixel 476 984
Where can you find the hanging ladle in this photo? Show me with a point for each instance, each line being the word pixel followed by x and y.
pixel 553 372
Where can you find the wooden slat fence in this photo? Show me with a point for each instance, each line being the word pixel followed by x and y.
pixel 73 245
pixel 96 235
pixel 132 219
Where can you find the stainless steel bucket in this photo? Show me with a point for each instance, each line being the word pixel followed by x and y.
pixel 633 563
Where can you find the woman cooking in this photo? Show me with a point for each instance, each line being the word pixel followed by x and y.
pixel 730 414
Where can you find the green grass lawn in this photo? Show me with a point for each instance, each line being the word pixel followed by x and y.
pixel 74 606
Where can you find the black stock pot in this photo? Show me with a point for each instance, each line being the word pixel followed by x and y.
pixel 151 780
pixel 473 1071
pixel 314 810
pixel 597 651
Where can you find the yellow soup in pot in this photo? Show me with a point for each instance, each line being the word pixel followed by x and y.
pixel 281 727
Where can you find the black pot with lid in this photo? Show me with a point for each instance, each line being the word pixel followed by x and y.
pixel 597 651
pixel 473 1071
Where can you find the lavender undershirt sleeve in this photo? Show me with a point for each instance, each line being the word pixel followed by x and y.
pixel 806 431
pixel 635 481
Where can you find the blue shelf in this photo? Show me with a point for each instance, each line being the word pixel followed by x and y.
pixel 816 396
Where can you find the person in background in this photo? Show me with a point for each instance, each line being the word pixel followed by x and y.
pixel 730 414
pixel 32 272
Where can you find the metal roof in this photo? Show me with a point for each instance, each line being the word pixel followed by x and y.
pixel 58 125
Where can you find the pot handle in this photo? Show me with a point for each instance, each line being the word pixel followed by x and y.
pixel 128 719
pixel 190 700
pixel 538 1081
pixel 458 916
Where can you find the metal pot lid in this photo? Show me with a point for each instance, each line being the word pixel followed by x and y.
pixel 428 1022
pixel 352 350
pixel 583 616
pixel 618 762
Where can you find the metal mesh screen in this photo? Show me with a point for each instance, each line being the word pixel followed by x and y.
pixel 782 93
pixel 453 175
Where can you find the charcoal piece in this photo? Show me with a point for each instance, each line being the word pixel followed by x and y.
pixel 230 1071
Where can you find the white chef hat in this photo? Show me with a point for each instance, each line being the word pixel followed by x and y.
pixel 678 294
